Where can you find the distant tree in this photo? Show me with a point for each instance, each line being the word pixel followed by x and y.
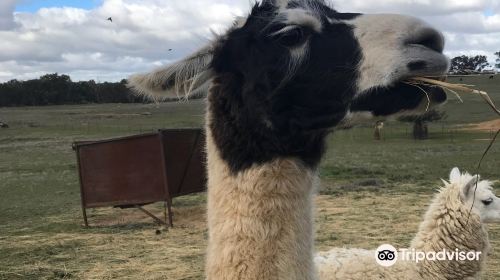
pixel 469 63
pixel 420 127
pixel 497 65
pixel 55 89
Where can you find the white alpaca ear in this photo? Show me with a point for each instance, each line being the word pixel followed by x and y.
pixel 188 77
pixel 469 188
pixel 455 175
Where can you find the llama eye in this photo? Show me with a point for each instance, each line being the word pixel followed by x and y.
pixel 293 37
pixel 487 201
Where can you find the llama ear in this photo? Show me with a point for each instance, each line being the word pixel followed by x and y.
pixel 188 77
pixel 455 175
pixel 468 189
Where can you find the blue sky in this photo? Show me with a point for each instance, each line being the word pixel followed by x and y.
pixel 489 12
pixel 35 5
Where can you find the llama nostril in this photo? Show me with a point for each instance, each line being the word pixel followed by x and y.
pixel 429 38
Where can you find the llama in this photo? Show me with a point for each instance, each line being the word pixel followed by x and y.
pixel 377 134
pixel 449 224
pixel 278 82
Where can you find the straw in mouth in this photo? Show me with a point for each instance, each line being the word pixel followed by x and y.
pixel 453 88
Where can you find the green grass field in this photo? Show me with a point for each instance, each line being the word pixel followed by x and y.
pixel 372 192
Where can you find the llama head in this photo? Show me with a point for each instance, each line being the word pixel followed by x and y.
pixel 315 63
pixel 282 77
pixel 484 201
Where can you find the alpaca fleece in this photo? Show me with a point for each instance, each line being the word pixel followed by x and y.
pixel 447 225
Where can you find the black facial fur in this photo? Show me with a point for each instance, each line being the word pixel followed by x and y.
pixel 257 114
pixel 417 65
pixel 388 101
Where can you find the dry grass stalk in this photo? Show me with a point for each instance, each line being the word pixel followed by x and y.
pixel 454 88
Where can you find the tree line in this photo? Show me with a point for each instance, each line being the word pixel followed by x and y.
pixel 466 63
pixel 55 89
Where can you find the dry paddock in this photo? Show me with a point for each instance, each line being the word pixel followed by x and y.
pixel 125 244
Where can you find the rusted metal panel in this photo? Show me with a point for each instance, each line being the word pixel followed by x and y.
pixel 122 171
pixel 141 169
pixel 185 160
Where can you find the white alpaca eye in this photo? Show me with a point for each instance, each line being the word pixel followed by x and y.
pixel 487 201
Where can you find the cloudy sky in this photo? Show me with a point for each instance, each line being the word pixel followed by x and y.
pixel 74 37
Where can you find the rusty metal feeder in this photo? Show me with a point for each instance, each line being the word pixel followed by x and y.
pixel 141 169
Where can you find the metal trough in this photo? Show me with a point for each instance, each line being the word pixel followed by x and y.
pixel 141 169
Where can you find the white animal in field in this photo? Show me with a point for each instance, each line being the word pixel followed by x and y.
pixel 455 219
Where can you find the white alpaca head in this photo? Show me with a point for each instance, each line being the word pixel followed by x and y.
pixel 486 204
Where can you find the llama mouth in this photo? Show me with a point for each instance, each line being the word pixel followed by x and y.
pixel 400 97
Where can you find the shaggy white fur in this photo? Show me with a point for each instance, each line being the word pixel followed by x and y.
pixel 447 225
pixel 359 264
pixel 260 221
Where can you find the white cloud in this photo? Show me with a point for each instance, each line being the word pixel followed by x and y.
pixel 467 28
pixel 6 17
pixel 416 7
pixel 470 33
pixel 85 45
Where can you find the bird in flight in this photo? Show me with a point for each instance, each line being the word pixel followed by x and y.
pixel 110 19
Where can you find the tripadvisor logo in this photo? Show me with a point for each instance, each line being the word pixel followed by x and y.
pixel 387 255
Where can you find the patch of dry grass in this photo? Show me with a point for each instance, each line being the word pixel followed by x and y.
pixel 120 244
pixel 489 126
pixel 125 244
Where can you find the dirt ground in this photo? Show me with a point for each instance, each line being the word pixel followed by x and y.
pixel 493 125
